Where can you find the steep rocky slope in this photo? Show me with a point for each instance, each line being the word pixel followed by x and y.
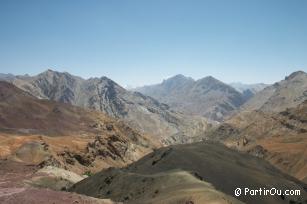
pixel 191 173
pixel 207 97
pixel 43 132
pixel 272 125
pixel 139 111
pixel 280 138
pixel 287 93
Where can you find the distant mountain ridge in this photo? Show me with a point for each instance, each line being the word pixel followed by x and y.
pixel 241 87
pixel 248 90
pixel 7 76
pixel 287 93
pixel 207 97
pixel 141 112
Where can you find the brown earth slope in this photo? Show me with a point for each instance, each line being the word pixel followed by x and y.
pixel 192 173
pixel 272 125
pixel 280 138
pixel 42 132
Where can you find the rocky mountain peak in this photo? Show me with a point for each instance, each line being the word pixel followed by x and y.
pixel 178 77
pixel 296 74
pixel 209 80
pixel 49 73
pixel 103 94
pixel 207 96
pixel 177 80
pixel 211 83
pixel 104 83
pixel 109 81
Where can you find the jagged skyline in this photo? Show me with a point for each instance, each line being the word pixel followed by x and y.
pixel 139 42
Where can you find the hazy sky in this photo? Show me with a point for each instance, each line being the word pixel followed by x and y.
pixel 142 42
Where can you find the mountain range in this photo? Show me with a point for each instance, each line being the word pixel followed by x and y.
pixel 102 94
pixel 272 125
pixel 43 132
pixel 93 137
pixel 207 97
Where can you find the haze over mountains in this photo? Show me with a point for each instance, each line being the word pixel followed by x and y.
pixel 254 88
pixel 207 97
pixel 248 90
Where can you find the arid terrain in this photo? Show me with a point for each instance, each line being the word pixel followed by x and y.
pixel 275 130
pixel 54 145
pixel 65 139
pixel 43 132
pixel 153 102
pixel 279 138
pixel 15 187
pixel 208 173
pixel 141 112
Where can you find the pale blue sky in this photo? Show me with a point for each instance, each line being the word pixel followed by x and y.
pixel 137 42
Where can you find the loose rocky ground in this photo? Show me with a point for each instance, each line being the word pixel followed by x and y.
pixel 14 188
